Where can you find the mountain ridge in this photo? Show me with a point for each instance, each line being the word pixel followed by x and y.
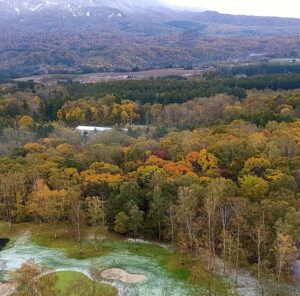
pixel 77 36
pixel 21 7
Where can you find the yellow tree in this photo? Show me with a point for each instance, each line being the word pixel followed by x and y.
pixel 207 161
pixel 65 149
pixel 286 254
pixel 130 108
pixel 124 117
pixel 45 204
pixel 34 147
pixel 26 122
pixel 256 165
pixel 34 280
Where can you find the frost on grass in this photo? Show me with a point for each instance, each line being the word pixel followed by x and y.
pixel 156 282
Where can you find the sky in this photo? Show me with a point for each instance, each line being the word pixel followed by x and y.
pixel 283 8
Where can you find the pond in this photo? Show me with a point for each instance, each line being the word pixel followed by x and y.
pixel 3 243
pixel 157 282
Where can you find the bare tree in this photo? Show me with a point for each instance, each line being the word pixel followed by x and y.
pixel 12 191
pixel 186 213
pixel 76 213
pixel 258 235
pixel 225 214
pixel 213 194
pixel 286 254
pixel 238 208
pixel 171 222
pixel 34 280
pixel 96 216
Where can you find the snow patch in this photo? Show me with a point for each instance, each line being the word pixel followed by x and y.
pixel 142 241
pixel 122 275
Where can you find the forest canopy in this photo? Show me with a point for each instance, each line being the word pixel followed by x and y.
pixel 214 170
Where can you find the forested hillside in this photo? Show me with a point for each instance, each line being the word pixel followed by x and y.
pixel 209 165
pixel 69 36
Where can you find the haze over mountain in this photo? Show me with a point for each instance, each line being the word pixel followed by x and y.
pixel 75 36
pixel 21 7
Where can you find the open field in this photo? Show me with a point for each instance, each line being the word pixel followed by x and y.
pixel 68 283
pixel 284 61
pixel 163 268
pixel 110 76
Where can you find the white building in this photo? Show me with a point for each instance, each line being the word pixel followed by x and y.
pixel 92 129
pixel 95 129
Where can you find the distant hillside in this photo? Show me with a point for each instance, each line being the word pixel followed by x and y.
pixel 76 36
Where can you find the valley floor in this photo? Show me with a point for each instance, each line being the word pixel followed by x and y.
pixel 111 76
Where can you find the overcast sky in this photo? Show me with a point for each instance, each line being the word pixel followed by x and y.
pixel 287 8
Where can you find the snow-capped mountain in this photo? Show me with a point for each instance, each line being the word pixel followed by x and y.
pixel 74 7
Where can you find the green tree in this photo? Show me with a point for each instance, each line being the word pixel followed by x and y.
pixel 121 224
pixel 135 220
pixel 156 210
pixel 254 188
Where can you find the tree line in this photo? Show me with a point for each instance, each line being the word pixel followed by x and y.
pixel 262 69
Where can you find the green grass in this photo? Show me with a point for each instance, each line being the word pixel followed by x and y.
pixel 168 260
pixel 44 235
pixel 69 281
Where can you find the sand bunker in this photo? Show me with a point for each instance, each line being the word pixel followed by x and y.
pixel 7 289
pixel 122 275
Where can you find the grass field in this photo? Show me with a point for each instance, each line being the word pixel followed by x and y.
pixel 113 76
pixel 284 61
pixel 170 262
pixel 70 283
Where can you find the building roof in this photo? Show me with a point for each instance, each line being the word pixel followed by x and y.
pixel 93 128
